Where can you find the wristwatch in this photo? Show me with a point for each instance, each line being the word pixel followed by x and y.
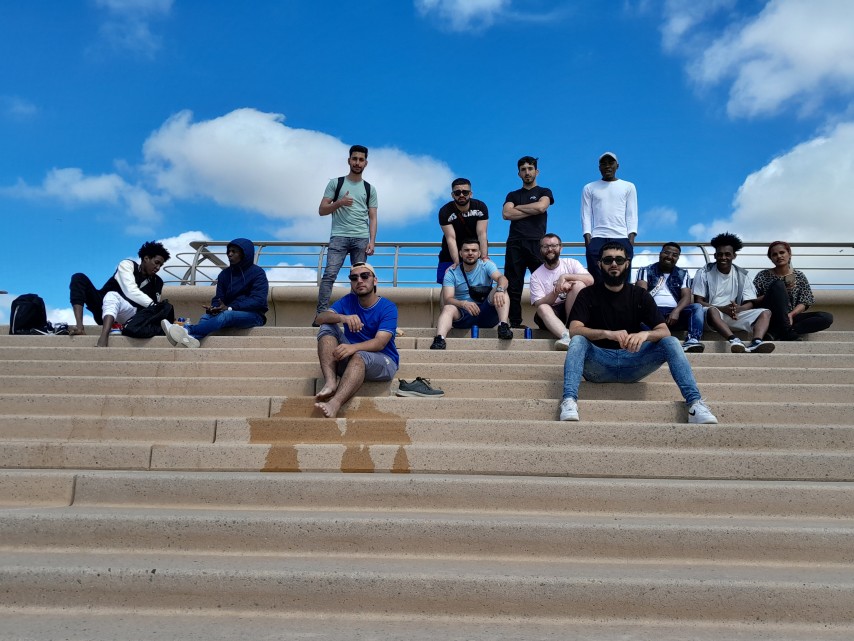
pixel 499 289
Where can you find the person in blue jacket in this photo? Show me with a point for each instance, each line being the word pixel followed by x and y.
pixel 240 300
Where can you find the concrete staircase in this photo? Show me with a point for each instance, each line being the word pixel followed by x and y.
pixel 144 495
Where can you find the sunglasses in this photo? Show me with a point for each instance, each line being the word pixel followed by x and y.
pixel 608 260
pixel 461 192
pixel 362 275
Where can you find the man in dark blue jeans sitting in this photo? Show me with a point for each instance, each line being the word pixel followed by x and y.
pixel 609 344
pixel 240 301
pixel 671 291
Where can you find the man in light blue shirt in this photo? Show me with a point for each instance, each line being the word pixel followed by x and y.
pixel 352 203
pixel 469 297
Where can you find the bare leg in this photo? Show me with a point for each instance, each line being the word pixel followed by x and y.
pixel 550 320
pixel 446 318
pixel 328 365
pixel 350 383
pixel 571 295
pixel 104 338
pixel 761 325
pixel 77 330
pixel 714 320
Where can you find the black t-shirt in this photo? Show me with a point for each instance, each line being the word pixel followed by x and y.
pixel 464 223
pixel 600 308
pixel 531 227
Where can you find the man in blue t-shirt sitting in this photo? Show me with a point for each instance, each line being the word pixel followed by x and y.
pixel 469 298
pixel 370 324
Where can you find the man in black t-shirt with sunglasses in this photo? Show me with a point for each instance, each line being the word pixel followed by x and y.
pixel 463 217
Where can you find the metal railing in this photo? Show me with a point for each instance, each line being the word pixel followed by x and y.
pixel 827 265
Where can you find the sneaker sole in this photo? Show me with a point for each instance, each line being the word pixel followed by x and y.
pixel 706 422
pixel 165 329
pixel 421 394
pixel 764 348
pixel 561 347
pixel 572 417
pixel 737 349
pixel 694 349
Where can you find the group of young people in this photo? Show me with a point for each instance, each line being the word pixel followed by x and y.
pixel 612 330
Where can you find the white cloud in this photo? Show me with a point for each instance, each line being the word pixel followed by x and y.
pixel 297 274
pixel 792 53
pixel 17 108
pixel 657 218
pixel 463 15
pixel 252 160
pixel 128 24
pixel 799 196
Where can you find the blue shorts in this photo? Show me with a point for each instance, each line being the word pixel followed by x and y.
pixel 488 317
pixel 378 366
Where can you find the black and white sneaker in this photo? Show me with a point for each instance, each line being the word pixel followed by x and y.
pixel 438 343
pixel 760 347
pixel 418 387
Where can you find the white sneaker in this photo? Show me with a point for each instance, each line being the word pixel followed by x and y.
pixel 736 346
pixel 568 410
pixel 181 338
pixel 562 344
pixel 693 345
pixel 165 325
pixel 700 413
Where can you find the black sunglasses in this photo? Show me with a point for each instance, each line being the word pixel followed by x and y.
pixel 620 260
pixel 461 192
pixel 362 275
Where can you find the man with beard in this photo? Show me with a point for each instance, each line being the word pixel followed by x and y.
pixel 668 285
pixel 469 298
pixel 728 294
pixel 609 213
pixel 365 350
pixel 527 211
pixel 554 288
pixel 609 344
pixel 352 203
pixel 463 217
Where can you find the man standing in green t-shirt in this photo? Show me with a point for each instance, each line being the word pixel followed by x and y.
pixel 353 205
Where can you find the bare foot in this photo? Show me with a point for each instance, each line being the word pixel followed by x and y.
pixel 101 343
pixel 326 392
pixel 76 330
pixel 329 409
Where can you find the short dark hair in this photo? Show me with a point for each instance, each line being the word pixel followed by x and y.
pixel 470 241
pixel 152 249
pixel 359 148
pixel 527 160
pixel 613 245
pixel 672 244
pixel 727 239
pixel 460 181
pixel 550 235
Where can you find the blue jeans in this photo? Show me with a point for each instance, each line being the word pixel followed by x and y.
pixel 599 365
pixel 339 248
pixel 692 318
pixel 208 324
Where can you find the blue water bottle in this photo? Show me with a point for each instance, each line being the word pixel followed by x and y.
pixel 529 333
pixel 475 331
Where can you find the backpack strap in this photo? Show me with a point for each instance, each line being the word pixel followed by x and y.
pixel 341 184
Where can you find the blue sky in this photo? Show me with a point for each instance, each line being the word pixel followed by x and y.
pixel 127 120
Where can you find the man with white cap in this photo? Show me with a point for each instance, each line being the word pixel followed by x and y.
pixel 609 212
pixel 364 350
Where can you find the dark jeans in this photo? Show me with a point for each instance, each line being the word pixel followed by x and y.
pixel 595 248
pixel 521 254
pixel 777 300
pixel 83 292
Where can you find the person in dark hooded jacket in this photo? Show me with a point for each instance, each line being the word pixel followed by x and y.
pixel 240 300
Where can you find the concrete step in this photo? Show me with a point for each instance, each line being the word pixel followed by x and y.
pixel 472 388
pixel 420 535
pixel 447 493
pixel 364 407
pixel 87 624
pixel 436 371
pixel 104 428
pixel 805 594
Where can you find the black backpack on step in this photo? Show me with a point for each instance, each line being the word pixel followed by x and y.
pixel 146 322
pixel 27 313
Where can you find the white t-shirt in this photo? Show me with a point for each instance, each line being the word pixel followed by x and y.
pixel 723 288
pixel 543 279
